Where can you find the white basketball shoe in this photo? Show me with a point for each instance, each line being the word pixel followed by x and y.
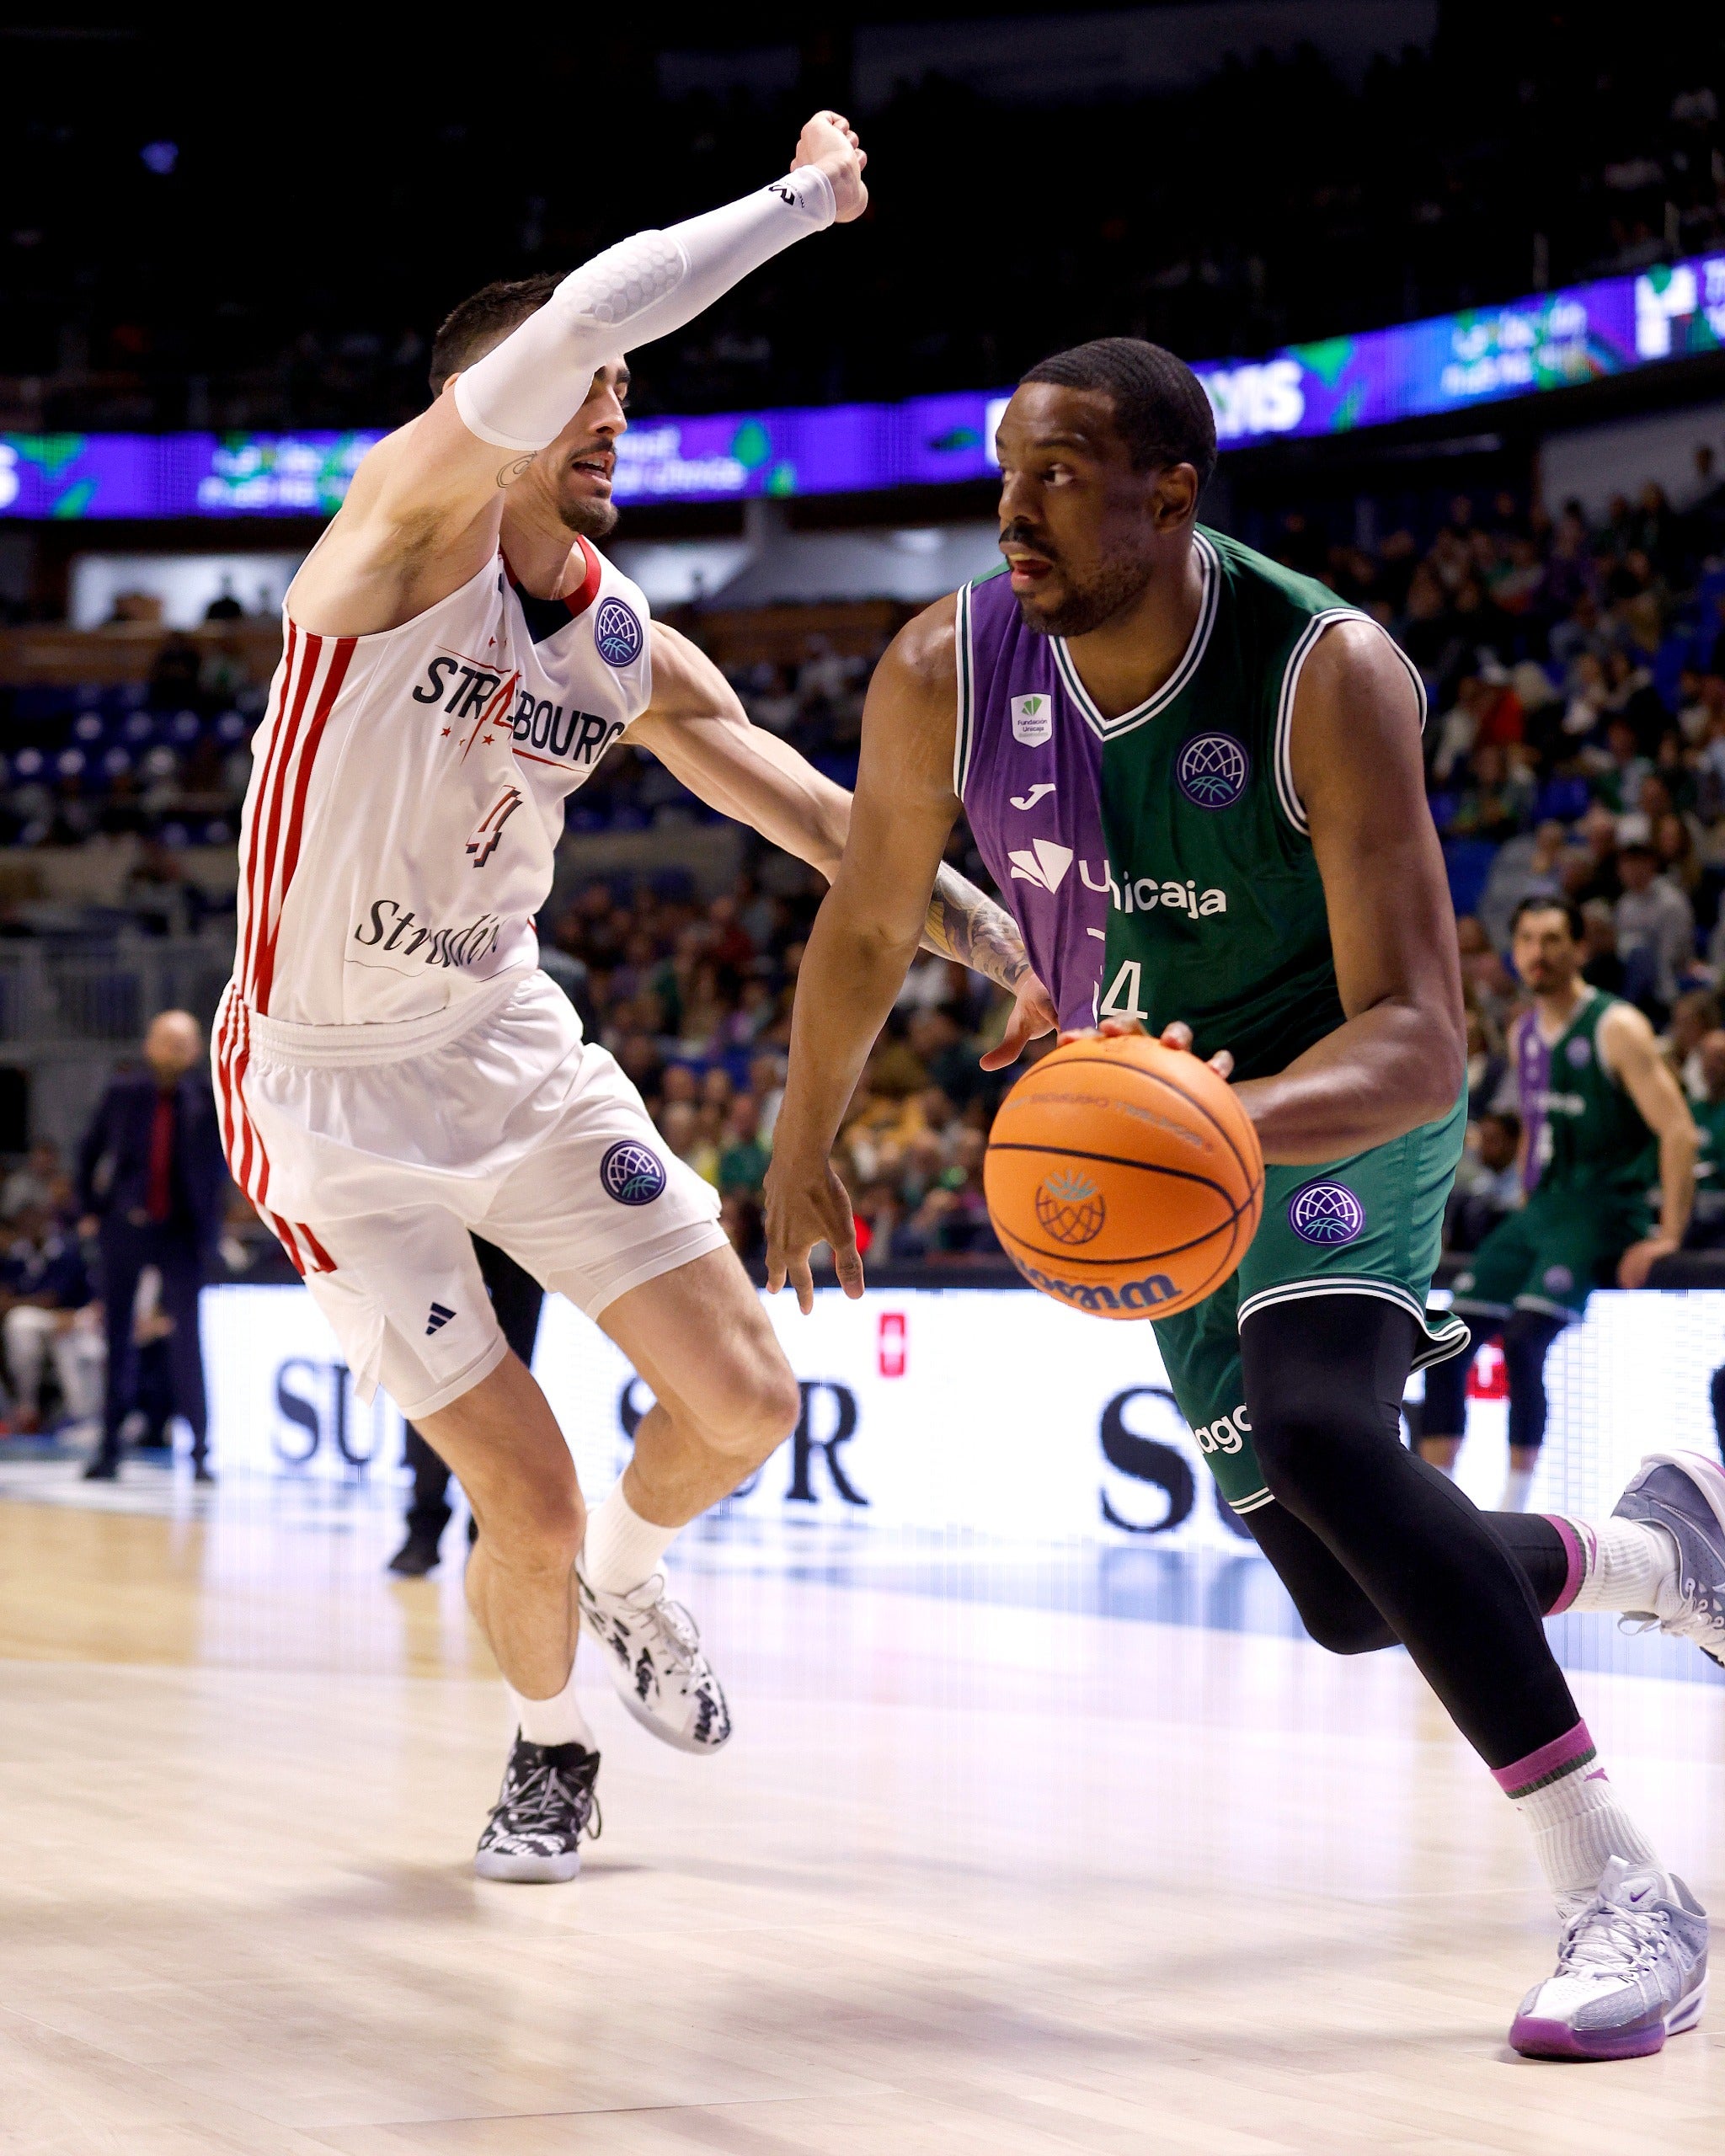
pixel 1632 1971
pixel 1684 1493
pixel 652 1647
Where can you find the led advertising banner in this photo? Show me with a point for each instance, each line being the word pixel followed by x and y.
pixel 990 1412
pixel 1451 363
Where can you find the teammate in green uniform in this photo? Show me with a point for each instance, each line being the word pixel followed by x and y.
pixel 1708 1231
pixel 1253 756
pixel 1602 1119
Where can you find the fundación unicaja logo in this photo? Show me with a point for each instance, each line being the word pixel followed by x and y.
pixel 1212 770
pixel 1032 720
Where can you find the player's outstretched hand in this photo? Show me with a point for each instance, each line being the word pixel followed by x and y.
pixel 804 1208
pixel 1033 1015
pixel 1178 1035
pixel 830 141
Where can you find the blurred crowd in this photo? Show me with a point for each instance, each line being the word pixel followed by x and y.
pixel 694 999
pixel 1288 200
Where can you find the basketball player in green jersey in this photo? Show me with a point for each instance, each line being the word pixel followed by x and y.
pixel 1223 749
pixel 1602 1120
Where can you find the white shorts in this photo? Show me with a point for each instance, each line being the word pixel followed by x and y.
pixel 377 1152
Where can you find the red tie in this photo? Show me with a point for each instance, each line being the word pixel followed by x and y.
pixel 160 1202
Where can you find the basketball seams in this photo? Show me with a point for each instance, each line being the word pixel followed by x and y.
pixel 1190 1100
pixel 1228 1236
pixel 1143 1257
pixel 1113 1160
pixel 1235 1212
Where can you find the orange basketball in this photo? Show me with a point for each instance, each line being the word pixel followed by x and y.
pixel 1123 1177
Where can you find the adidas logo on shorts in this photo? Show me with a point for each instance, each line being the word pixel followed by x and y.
pixel 439 1318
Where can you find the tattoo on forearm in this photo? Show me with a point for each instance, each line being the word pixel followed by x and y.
pixel 962 924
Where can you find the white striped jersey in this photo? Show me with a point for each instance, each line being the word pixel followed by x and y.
pixel 407 789
pixel 400 828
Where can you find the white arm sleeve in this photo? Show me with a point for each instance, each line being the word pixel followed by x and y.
pixel 526 390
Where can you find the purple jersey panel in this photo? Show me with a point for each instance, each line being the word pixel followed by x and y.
pixel 1532 1058
pixel 1030 777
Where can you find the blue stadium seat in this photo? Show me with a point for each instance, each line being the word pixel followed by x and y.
pixel 1469 861
pixel 38 701
pixel 1674 654
pixel 1562 800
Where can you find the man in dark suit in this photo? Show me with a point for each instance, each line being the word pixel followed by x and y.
pixel 151 1179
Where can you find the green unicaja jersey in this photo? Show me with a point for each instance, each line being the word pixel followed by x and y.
pixel 1591 1134
pixel 1216 909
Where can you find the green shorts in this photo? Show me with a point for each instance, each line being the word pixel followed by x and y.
pixel 1552 1254
pixel 1371 1225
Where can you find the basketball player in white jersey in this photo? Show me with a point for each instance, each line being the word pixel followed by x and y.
pixel 394 1071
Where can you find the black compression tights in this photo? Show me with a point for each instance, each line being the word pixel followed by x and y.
pixel 1375 1545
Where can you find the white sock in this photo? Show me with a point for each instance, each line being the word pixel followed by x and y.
pixel 556 1721
pixel 1578 1825
pixel 1629 1564
pixel 622 1549
pixel 1516 1485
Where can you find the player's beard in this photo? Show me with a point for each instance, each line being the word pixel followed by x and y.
pixel 589 517
pixel 1116 585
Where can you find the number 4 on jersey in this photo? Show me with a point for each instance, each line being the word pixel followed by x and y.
pixel 1128 985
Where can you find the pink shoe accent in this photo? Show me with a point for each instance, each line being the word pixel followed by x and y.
pixel 1535 2038
pixel 1577 1563
pixel 1574 1748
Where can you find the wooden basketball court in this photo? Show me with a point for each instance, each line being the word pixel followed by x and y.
pixel 976 1874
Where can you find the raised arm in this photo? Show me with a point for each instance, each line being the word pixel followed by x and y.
pixel 421 514
pixel 1627 1043
pixel 696 726
pixel 864 938
pixel 1399 1058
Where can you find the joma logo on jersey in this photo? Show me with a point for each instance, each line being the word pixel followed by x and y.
pixel 1140 894
pixel 393 928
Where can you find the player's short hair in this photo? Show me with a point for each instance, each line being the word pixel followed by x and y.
pixel 468 332
pixel 1571 912
pixel 1160 408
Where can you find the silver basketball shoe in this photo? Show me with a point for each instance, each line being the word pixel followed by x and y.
pixel 652 1647
pixel 1632 1971
pixel 1684 1493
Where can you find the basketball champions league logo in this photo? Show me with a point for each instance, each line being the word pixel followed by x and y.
pixel 630 1173
pixel 617 634
pixel 1070 1207
pixel 1326 1213
pixel 1212 770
